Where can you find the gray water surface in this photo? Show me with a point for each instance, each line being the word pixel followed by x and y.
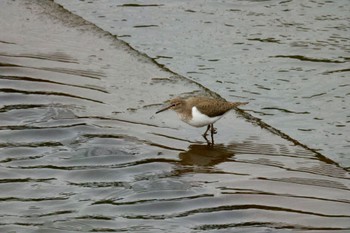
pixel 81 149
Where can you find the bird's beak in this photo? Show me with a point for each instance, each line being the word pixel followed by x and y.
pixel 163 109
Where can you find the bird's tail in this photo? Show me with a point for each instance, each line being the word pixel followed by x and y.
pixel 236 104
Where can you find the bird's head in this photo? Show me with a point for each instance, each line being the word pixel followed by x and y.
pixel 176 104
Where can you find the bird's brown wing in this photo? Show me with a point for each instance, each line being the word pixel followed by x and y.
pixel 213 108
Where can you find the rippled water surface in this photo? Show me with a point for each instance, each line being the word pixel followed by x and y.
pixel 82 151
pixel 290 59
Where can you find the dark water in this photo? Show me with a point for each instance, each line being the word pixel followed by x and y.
pixel 290 59
pixel 82 151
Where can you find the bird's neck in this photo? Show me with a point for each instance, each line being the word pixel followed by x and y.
pixel 185 112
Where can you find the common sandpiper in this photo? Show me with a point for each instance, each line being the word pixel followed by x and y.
pixel 201 111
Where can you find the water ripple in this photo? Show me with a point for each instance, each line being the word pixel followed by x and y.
pixel 81 149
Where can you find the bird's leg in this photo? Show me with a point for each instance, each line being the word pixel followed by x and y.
pixel 206 132
pixel 212 132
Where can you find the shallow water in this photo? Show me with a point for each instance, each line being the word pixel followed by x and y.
pixel 290 59
pixel 82 151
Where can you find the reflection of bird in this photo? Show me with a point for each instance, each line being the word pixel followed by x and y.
pixel 204 155
pixel 201 111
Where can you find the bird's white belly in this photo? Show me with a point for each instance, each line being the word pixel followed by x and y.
pixel 199 119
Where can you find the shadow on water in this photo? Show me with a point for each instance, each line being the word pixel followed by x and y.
pixel 205 155
pixel 79 151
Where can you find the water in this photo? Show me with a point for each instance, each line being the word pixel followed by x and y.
pixel 290 59
pixel 82 151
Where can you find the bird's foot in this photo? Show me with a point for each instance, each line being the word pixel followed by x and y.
pixel 210 143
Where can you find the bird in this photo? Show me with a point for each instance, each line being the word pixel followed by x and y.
pixel 200 111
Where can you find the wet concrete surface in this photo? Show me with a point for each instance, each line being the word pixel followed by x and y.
pixel 82 150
